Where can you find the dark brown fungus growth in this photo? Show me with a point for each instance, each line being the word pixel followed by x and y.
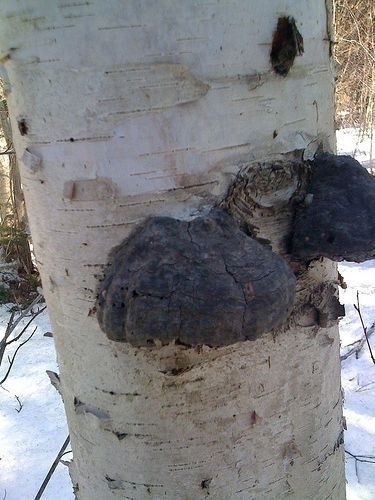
pixel 338 218
pixel 23 126
pixel 287 43
pixel 194 282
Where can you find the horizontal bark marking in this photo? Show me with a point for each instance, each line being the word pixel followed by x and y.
pixel 54 27
pixel 121 27
pixel 85 139
pixel 121 484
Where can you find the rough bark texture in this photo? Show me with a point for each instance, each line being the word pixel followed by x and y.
pixel 152 109
pixel 336 219
pixel 267 195
pixel 196 282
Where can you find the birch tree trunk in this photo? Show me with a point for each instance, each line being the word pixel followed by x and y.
pixel 122 110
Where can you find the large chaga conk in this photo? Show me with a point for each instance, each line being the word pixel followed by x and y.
pixel 195 282
pixel 338 218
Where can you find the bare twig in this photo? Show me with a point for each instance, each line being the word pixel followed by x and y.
pixel 17 337
pixel 28 309
pixel 12 359
pixel 358 309
pixel 52 469
pixel 367 387
pixel 357 346
pixel 360 458
pixel 20 404
pixel 369 459
pixel 354 49
pixel 4 342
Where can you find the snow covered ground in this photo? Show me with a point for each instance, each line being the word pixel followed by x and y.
pixel 358 380
pixel 358 375
pixel 31 437
pixel 361 148
pixel 32 420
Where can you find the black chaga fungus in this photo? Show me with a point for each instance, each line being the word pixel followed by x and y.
pixel 23 126
pixel 287 43
pixel 338 218
pixel 194 282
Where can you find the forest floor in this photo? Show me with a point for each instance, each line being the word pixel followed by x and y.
pixel 32 419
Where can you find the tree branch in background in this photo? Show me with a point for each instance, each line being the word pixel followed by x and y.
pixel 357 346
pixel 12 359
pixel 52 469
pixel 368 459
pixel 5 342
pixel 358 309
pixel 19 403
pixel 353 50
pixel 12 325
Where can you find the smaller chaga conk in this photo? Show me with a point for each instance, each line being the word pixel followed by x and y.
pixel 194 282
pixel 337 219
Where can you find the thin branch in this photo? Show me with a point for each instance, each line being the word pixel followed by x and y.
pixel 369 459
pixel 360 458
pixel 357 346
pixel 366 387
pixel 365 50
pixel 12 325
pixel 17 337
pixel 52 469
pixel 11 360
pixel 358 309
pixel 66 453
pixel 20 404
pixel 26 311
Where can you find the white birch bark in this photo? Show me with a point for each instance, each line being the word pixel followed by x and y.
pixel 121 110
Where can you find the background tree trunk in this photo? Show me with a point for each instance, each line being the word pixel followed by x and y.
pixel 121 111
pixel 13 219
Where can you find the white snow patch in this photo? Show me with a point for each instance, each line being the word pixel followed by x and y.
pixel 31 438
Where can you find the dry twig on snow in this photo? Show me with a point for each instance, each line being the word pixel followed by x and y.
pixel 5 342
pixel 357 346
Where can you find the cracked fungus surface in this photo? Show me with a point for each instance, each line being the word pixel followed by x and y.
pixel 202 281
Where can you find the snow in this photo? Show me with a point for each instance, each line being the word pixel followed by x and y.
pixel 358 375
pixel 350 142
pixel 358 379
pixel 31 436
